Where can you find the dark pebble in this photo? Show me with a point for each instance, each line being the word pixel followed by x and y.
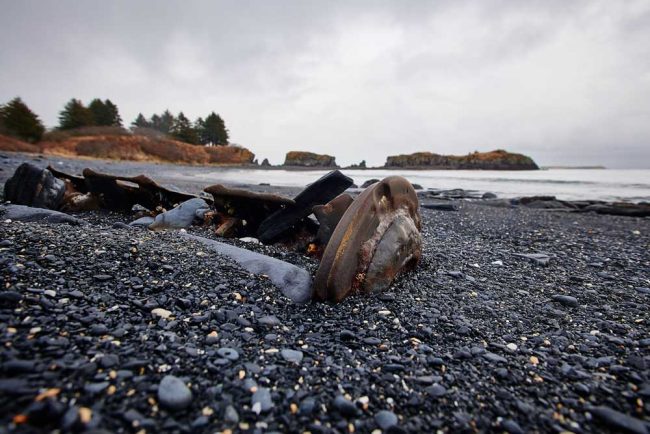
pixel 618 420
pixel 566 300
pixel 345 407
pixel 173 394
pixel 386 419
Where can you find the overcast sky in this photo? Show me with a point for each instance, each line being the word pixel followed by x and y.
pixel 566 82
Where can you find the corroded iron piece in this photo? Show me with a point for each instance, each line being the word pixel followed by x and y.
pixel 329 215
pixel 246 206
pixel 376 239
pixel 120 193
pixel 321 191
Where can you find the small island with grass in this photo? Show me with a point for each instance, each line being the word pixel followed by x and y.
pixel 494 160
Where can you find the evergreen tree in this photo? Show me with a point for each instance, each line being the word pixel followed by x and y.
pixel 167 122
pixel 105 113
pixel 155 122
pixel 213 130
pixel 199 124
pixel 113 114
pixel 183 130
pixel 75 115
pixel 140 122
pixel 18 120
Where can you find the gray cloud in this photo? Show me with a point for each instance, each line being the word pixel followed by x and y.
pixel 566 82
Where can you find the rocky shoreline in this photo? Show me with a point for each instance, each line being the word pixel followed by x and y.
pixel 517 319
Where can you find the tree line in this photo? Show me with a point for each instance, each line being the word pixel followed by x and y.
pixel 18 120
pixel 209 131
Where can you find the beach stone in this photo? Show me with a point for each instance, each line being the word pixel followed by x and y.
pixel 34 187
pixel 173 394
pixel 566 300
pixel 261 401
pixel 307 406
pixel 436 390
pixel 10 298
pixel 228 353
pixel 293 282
pixel 345 407
pixel 292 356
pixel 511 427
pixel 269 320
pixel 494 358
pixel 488 195
pixel 386 419
pixel 230 414
pixel 142 221
pixel 538 258
pixel 621 421
pixel 22 213
pixel 180 217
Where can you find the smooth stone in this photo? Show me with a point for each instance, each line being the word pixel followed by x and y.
pixel 307 406
pixel 566 300
pixel 294 282
pixel 180 217
pixel 22 213
pixel 10 297
pixel 619 420
pixel 511 427
pixel 538 258
pixel 494 358
pixel 228 353
pixel 94 388
pixel 269 320
pixel 98 329
pixel 173 394
pixel 142 222
pixel 231 415
pixel 292 356
pixel 261 401
pixel 436 390
pixel 386 419
pixel 345 407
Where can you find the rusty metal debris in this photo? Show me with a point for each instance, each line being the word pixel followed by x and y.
pixel 120 193
pixel 377 238
pixel 365 242
pixel 241 211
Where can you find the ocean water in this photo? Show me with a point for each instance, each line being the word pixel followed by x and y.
pixel 631 185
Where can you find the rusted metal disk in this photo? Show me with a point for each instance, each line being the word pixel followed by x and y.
pixel 376 239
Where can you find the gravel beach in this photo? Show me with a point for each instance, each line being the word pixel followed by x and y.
pixel 122 329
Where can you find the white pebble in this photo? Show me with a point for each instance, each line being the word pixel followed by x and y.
pixel 162 313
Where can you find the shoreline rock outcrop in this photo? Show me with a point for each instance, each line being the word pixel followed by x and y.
pixel 494 160
pixel 309 159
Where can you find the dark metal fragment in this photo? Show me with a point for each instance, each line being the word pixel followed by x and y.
pixel 318 193
pixel 329 216
pixel 120 193
pixel 244 206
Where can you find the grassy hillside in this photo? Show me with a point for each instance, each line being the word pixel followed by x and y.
pixel 131 147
